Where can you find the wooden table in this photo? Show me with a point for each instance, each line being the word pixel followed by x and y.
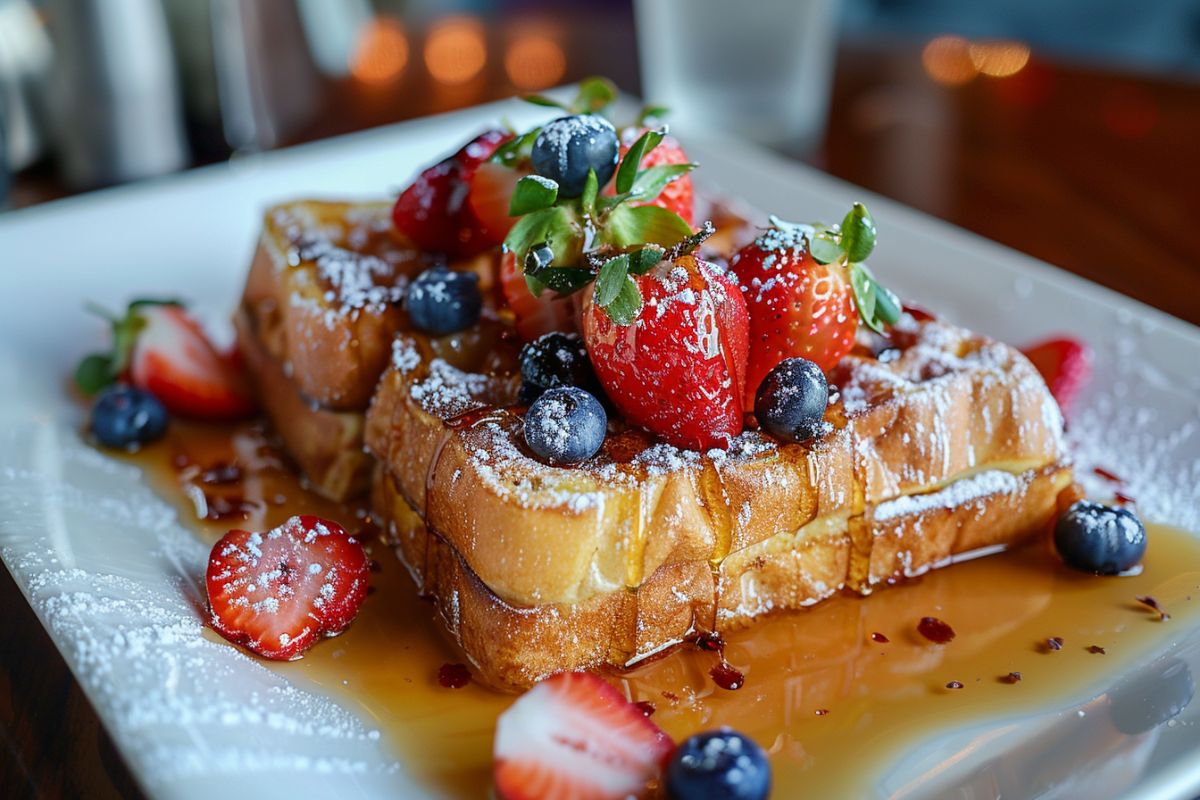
pixel 1089 170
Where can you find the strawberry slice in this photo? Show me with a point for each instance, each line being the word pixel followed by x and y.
pixel 798 307
pixel 173 360
pixel 575 737
pixel 679 195
pixel 433 211
pixel 680 369
pixel 489 197
pixel 277 593
pixel 1065 364
pixel 535 316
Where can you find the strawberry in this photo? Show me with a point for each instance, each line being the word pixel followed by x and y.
pixel 575 737
pixel 677 196
pixel 433 211
pixel 277 593
pixel 173 360
pixel 1065 364
pixel 535 316
pixel 806 291
pixel 488 198
pixel 679 369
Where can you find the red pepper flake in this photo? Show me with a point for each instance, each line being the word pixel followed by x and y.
pixel 954 685
pixel 1147 600
pixel 1096 649
pixel 935 630
pixel 1012 677
pixel 1052 644
pixel 646 707
pixel 879 637
pixel 1124 499
pixel 674 698
pixel 453 676
pixel 820 712
pixel 1108 475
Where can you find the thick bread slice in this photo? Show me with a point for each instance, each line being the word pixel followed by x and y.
pixel 942 404
pixel 324 294
pixel 514 645
pixel 326 445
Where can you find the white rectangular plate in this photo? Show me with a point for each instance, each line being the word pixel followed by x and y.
pixel 112 574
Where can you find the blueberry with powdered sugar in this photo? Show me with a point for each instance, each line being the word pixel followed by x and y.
pixel 552 360
pixel 568 147
pixel 565 425
pixel 790 402
pixel 442 301
pixel 719 765
pixel 1093 537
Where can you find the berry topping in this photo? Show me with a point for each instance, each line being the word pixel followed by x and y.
pixel 277 593
pixel 552 360
pixel 806 290
pixel 679 195
pixel 1065 365
pixel 718 765
pixel 441 301
pixel 569 147
pixel 790 403
pixel 534 315
pixel 575 737
pixel 432 211
pixel 1097 538
pixel 677 368
pixel 126 417
pixel 565 425
pixel 488 199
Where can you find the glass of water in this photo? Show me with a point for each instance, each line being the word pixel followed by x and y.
pixel 759 69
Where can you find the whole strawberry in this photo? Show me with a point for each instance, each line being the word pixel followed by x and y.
pixel 806 290
pixel 277 593
pixel 669 346
pixel 677 196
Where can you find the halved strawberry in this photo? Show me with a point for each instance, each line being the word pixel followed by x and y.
pixel 1065 364
pixel 797 306
pixel 433 211
pixel 575 737
pixel 534 316
pixel 173 360
pixel 679 370
pixel 489 197
pixel 679 195
pixel 277 593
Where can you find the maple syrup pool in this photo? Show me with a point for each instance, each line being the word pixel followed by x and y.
pixel 836 694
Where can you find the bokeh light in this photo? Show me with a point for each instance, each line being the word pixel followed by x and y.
pixel 999 59
pixel 381 52
pixel 456 50
pixel 534 61
pixel 948 61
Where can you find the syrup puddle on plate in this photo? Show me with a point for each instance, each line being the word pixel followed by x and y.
pixel 836 694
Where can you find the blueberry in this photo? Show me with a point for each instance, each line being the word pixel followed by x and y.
pixel 565 425
pixel 1097 538
pixel 718 765
pixel 126 417
pixel 791 400
pixel 555 359
pixel 442 301
pixel 568 147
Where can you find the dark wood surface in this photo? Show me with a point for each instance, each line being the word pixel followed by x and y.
pixel 1087 169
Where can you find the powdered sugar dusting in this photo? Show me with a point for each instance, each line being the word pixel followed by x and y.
pixel 956 495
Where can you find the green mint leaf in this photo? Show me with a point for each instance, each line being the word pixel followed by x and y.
pixel 858 233
pixel 635 225
pixel 542 100
pixel 626 306
pixel 646 259
pixel 652 114
pixel 94 373
pixel 649 183
pixel 887 305
pixel 532 193
pixel 630 164
pixel 595 95
pixel 554 225
pixel 864 296
pixel 824 248
pixel 611 279
pixel 562 280
pixel 587 199
pixel 535 285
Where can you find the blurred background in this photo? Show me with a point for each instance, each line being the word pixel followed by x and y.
pixel 1020 120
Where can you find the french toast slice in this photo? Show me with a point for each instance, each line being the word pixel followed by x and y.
pixel 942 405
